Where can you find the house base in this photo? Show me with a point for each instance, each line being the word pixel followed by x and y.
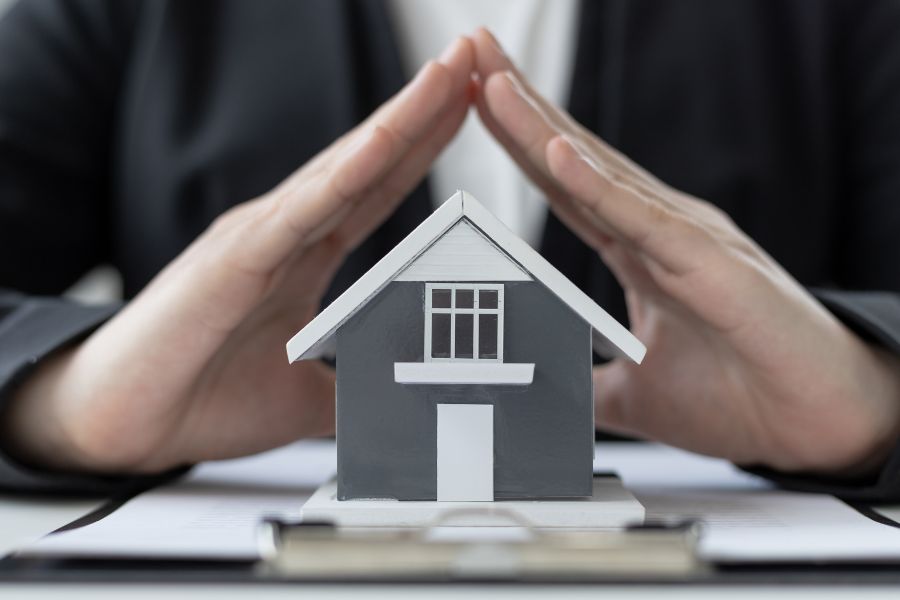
pixel 611 507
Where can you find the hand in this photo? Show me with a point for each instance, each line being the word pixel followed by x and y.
pixel 742 362
pixel 194 368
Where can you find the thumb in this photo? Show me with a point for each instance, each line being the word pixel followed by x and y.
pixel 611 410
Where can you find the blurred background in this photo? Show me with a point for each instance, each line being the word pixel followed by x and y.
pixel 101 285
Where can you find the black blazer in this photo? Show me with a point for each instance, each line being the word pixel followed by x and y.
pixel 127 126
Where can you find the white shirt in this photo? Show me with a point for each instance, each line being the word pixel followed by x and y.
pixel 539 36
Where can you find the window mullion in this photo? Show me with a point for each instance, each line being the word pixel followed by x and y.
pixel 475 354
pixel 428 317
pixel 500 317
pixel 453 323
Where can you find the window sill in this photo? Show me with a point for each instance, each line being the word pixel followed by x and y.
pixel 449 373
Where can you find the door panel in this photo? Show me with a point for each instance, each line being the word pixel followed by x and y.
pixel 465 452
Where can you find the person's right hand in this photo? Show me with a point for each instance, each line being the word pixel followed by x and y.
pixel 742 361
pixel 194 367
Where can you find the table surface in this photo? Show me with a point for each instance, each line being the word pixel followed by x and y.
pixel 25 518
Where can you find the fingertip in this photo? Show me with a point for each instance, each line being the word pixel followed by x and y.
pixel 481 30
pixel 430 66
pixel 459 53
pixel 437 76
pixel 467 49
pixel 609 410
pixel 484 34
pixel 449 52
pixel 489 54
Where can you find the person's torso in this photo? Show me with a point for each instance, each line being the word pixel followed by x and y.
pixel 729 101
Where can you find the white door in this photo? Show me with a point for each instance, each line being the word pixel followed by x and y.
pixel 465 452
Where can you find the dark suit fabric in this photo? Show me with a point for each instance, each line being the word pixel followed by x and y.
pixel 126 127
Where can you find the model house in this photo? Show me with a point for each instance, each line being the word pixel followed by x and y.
pixel 464 367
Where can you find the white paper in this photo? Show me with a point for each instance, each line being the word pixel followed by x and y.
pixel 24 519
pixel 745 518
pixel 213 512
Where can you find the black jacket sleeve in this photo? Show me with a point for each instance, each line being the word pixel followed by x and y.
pixel 867 295
pixel 59 67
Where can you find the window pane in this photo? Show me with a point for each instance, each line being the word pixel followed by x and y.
pixel 465 331
pixel 487 299
pixel 440 335
pixel 487 336
pixel 440 298
pixel 465 298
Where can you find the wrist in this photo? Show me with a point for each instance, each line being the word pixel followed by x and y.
pixel 31 425
pixel 888 366
pixel 880 375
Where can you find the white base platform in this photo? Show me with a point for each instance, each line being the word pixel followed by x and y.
pixel 611 507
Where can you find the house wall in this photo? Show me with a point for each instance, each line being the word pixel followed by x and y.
pixel 386 432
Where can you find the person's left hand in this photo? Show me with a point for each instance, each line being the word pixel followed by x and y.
pixel 742 361
pixel 193 368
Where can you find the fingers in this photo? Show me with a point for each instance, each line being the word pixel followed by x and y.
pixel 310 206
pixel 491 60
pixel 595 190
pixel 642 221
pixel 611 411
pixel 563 206
pixel 396 184
pixel 237 262
pixel 366 216
pixel 313 202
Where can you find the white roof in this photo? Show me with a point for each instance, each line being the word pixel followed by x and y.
pixel 610 338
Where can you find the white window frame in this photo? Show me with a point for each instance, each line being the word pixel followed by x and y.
pixel 474 311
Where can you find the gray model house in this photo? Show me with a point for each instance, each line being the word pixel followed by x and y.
pixel 464 367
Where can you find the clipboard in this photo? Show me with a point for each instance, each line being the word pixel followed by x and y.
pixel 317 551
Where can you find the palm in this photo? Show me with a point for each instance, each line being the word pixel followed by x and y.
pixel 248 388
pixel 715 379
pixel 741 361
pixel 687 392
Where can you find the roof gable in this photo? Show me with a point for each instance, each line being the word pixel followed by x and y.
pixel 463 253
pixel 610 338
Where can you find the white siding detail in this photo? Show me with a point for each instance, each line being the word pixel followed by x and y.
pixel 463 254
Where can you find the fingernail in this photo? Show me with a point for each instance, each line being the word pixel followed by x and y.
pixel 517 85
pixel 572 143
pixel 449 51
pixel 580 150
pixel 494 41
pixel 421 73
